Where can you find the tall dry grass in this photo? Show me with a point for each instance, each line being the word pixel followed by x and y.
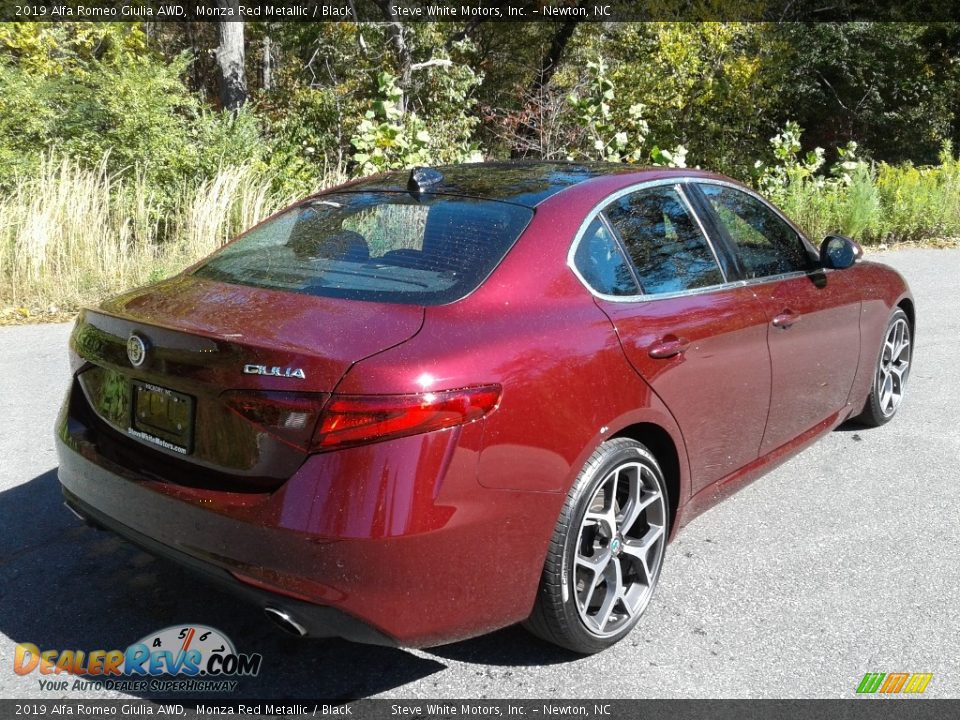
pixel 71 236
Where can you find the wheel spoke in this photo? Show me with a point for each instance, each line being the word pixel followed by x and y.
pixel 886 397
pixel 628 608
pixel 889 347
pixel 639 550
pixel 636 508
pixel 901 348
pixel 614 591
pixel 640 499
pixel 606 520
pixel 897 372
pixel 595 565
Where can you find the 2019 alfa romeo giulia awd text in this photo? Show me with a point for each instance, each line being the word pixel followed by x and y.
pixel 422 406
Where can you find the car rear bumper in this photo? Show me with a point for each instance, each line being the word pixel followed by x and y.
pixel 394 543
pixel 315 620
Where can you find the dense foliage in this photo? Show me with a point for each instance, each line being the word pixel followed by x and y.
pixel 342 96
pixel 135 111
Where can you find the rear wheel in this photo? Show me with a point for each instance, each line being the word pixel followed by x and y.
pixel 606 552
pixel 891 373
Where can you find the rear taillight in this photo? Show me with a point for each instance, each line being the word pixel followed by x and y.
pixel 289 417
pixel 301 420
pixel 357 419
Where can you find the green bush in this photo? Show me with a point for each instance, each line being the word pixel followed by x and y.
pixel 138 115
pixel 874 203
pixel 920 203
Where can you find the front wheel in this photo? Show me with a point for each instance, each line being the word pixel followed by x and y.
pixel 891 373
pixel 606 552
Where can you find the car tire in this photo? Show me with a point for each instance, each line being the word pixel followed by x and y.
pixel 606 551
pixel 891 372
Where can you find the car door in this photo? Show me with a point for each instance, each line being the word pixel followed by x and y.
pixel 813 314
pixel 699 342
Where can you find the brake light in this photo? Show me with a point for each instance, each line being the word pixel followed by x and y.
pixel 358 419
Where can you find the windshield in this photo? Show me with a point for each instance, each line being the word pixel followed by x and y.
pixel 382 246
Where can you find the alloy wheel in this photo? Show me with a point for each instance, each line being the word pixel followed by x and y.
pixel 894 367
pixel 619 549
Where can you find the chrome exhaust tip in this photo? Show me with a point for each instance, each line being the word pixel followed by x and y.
pixel 285 621
pixel 79 517
pixel 82 518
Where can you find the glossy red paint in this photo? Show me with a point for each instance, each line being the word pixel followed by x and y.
pixel 442 535
pixel 725 366
pixel 815 358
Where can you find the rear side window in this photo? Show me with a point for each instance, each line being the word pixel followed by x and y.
pixel 668 250
pixel 601 262
pixel 765 243
pixel 380 246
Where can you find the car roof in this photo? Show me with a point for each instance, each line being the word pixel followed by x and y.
pixel 526 183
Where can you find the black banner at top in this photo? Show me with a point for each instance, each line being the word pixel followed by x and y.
pixel 478 10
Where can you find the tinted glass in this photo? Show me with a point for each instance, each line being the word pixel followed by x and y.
pixel 379 246
pixel 766 244
pixel 668 250
pixel 602 264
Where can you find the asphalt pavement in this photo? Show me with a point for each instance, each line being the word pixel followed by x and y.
pixel 845 560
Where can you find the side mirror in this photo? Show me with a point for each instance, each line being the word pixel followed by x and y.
pixel 838 252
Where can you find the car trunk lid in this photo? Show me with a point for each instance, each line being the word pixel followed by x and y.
pixel 232 378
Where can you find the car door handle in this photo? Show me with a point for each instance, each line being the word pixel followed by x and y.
pixel 669 346
pixel 785 319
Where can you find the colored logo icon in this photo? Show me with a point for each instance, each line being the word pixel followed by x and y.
pixel 893 683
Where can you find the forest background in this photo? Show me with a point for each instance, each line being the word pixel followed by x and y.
pixel 129 150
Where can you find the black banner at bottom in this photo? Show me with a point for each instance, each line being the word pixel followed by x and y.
pixel 853 709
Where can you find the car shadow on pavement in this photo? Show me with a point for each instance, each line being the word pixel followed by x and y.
pixel 510 647
pixel 65 585
pixel 853 425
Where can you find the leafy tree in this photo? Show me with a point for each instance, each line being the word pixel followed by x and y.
pixel 103 95
pixel 889 86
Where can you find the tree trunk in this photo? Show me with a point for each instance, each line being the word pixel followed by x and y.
pixel 551 61
pixel 230 60
pixel 549 64
pixel 267 67
pixel 401 51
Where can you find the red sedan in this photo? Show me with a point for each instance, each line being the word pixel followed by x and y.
pixel 422 406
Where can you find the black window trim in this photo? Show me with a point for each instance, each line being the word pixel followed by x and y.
pixel 714 239
pixel 621 248
pixel 728 255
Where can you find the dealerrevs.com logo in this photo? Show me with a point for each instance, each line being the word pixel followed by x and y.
pixel 180 658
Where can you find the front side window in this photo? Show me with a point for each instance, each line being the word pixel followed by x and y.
pixel 765 243
pixel 668 250
pixel 380 246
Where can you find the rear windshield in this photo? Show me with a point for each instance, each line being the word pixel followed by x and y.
pixel 382 246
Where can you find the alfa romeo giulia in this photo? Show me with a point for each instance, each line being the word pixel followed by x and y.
pixel 422 406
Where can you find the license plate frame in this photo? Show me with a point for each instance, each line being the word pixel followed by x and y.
pixel 162 416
